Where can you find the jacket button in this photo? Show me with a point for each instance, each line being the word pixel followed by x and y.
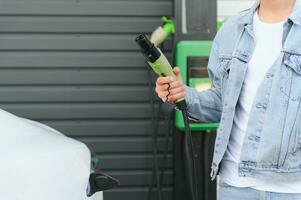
pixel 269 75
pixel 261 105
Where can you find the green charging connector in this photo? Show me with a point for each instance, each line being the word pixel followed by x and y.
pixel 156 59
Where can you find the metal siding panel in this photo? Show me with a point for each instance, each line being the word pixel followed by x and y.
pixel 67 42
pixel 79 8
pixel 69 59
pixel 76 25
pixel 74 66
pixel 139 178
pixel 104 128
pixel 73 94
pixel 78 111
pixel 73 77
pixel 123 144
pixel 131 162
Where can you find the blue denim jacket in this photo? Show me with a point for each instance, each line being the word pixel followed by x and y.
pixel 272 145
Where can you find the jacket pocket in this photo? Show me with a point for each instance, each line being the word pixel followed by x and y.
pixel 293 61
pixel 291 92
pixel 293 77
pixel 290 89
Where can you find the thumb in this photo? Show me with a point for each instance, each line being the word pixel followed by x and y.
pixel 177 71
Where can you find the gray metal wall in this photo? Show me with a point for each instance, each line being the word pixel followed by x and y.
pixel 73 65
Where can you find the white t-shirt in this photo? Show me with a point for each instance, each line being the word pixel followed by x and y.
pixel 268 38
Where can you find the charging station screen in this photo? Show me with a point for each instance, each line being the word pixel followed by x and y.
pixel 197 73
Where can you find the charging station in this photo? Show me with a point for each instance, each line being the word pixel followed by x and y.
pixel 196 24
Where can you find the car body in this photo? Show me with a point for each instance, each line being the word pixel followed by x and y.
pixel 38 162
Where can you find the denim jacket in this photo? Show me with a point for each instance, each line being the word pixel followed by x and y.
pixel 272 144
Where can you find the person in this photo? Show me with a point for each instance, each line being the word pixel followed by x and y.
pixel 255 71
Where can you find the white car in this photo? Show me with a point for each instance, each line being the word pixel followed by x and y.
pixel 38 162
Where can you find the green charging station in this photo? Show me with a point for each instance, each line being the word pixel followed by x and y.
pixel 192 59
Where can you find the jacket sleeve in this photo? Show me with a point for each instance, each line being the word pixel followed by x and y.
pixel 206 106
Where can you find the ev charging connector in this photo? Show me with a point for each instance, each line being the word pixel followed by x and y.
pixel 159 63
pixel 154 57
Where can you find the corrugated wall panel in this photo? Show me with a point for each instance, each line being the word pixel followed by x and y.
pixel 85 8
pixel 113 60
pixel 74 65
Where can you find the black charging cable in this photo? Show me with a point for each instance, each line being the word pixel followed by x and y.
pixel 155 129
pixel 170 130
pixel 189 154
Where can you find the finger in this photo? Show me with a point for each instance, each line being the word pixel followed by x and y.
pixel 162 88
pixel 176 71
pixel 163 80
pixel 163 95
pixel 175 84
pixel 177 96
pixel 176 91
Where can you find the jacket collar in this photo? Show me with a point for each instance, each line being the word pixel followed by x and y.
pixel 247 18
